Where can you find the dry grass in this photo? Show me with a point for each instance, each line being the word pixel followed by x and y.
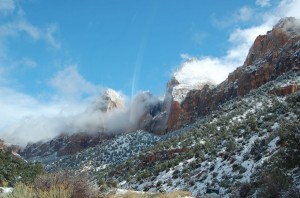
pixel 22 191
pixel 133 194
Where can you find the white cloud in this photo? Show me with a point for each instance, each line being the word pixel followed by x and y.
pixel 244 14
pixel 28 63
pixel 49 36
pixel 196 70
pixel 241 15
pixel 288 8
pixel 69 83
pixel 16 105
pixel 30 29
pixel 19 26
pixel 263 3
pixel 26 118
pixel 199 37
pixel 7 5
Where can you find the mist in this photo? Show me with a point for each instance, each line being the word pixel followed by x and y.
pixel 292 26
pixel 90 120
pixel 74 105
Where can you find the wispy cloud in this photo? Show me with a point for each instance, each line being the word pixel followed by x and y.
pixel 199 37
pixel 20 26
pixel 6 6
pixel 263 3
pixel 16 23
pixel 69 83
pixel 50 38
pixel 244 14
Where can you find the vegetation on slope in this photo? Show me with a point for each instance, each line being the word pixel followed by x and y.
pixel 14 169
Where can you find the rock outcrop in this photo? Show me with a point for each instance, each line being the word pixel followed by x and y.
pixel 286 90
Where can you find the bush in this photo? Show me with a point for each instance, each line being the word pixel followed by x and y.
pixel 292 193
pixel 289 135
pixel 14 169
pixel 293 99
pixel 77 185
pixel 273 183
pixel 244 190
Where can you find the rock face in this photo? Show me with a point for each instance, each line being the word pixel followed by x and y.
pixel 271 55
pixel 286 90
pixel 176 95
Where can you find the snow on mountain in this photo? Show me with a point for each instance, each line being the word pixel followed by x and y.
pixel 192 75
pixel 108 101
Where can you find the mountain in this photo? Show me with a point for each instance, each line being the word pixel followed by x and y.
pixel 238 137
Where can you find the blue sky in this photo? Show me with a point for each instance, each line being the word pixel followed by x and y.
pixel 55 55
pixel 116 43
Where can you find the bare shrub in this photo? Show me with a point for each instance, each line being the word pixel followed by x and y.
pixel 274 183
pixel 78 185
pixel 244 190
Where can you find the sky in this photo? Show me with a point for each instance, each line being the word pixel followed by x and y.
pixel 58 56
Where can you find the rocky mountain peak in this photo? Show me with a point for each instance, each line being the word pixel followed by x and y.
pixel 108 101
pixel 290 25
